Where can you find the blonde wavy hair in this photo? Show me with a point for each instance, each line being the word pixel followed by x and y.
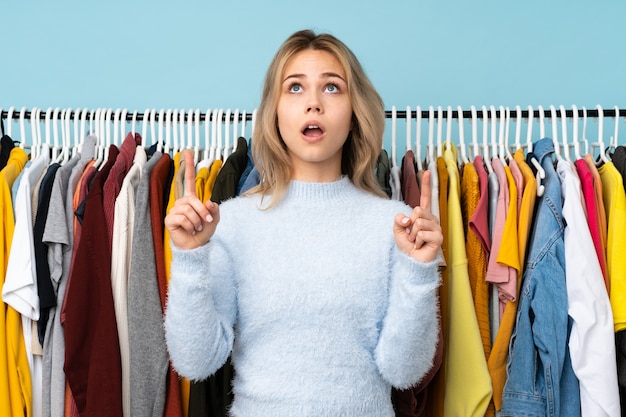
pixel 361 150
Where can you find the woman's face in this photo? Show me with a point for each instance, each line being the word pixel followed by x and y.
pixel 314 114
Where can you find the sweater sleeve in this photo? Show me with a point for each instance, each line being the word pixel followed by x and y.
pixel 201 310
pixel 408 338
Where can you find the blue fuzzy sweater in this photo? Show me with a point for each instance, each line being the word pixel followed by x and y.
pixel 321 311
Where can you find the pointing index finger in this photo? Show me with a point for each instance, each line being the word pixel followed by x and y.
pixel 190 174
pixel 426 192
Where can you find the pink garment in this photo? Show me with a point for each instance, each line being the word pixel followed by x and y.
pixel 479 222
pixel 589 194
pixel 502 275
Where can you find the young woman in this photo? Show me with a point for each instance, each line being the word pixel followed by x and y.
pixel 321 289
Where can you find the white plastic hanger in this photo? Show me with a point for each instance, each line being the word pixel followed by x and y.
pixel 564 140
pixel 167 124
pixel 34 121
pixel 394 118
pixel 76 124
pixel 133 126
pixel 236 129
pixel 507 123
pixel 145 121
pixel 494 141
pixel 501 134
pixel 206 160
pixel 518 127
pixel 9 121
pixel 196 148
pixel 439 131
pixel 600 142
pixel 486 155
pixel 529 131
pixel 541 173
pixel 584 136
pixel 56 148
pixel 575 139
pixel 409 121
pixel 475 146
pixel 614 142
pixel 460 120
pixel 22 129
pixel 449 144
pixel 244 117
pixel 225 151
pixel 189 120
pixel 176 145
pixel 160 140
pixel 108 136
pixel 214 125
pixel 431 134
pixel 220 126
pixel 82 132
pixel 116 127
pixel 123 132
pixel 555 133
pixel 47 122
pixel 65 140
pixel 418 138
pixel 95 121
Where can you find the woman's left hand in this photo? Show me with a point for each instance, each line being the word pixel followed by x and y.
pixel 419 235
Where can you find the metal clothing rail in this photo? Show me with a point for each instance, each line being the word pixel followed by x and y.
pixel 400 114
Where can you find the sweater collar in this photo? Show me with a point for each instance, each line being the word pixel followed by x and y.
pixel 303 190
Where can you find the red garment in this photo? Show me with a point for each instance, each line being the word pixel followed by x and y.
pixel 113 184
pixel 589 194
pixel 92 354
pixel 409 187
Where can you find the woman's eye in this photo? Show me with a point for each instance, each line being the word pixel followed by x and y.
pixel 332 88
pixel 295 88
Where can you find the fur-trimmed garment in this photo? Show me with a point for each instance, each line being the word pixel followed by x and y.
pixel 320 309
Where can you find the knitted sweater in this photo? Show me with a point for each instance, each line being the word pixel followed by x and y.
pixel 321 311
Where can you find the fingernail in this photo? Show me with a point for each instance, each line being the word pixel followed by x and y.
pixel 209 218
pixel 199 228
pixel 405 220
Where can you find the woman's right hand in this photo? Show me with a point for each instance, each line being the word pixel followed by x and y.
pixel 190 222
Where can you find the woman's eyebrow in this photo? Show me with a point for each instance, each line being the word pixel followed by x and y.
pixel 323 75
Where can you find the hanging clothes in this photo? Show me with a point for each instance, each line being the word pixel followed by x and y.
pixel 92 356
pixel 16 395
pixel 542 328
pixel 591 340
pixel 468 386
pixel 149 367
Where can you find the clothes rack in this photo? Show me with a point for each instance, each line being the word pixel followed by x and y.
pixel 400 114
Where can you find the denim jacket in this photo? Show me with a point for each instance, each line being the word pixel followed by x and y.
pixel 540 378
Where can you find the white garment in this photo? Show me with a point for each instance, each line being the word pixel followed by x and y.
pixel 20 285
pixel 434 186
pixel 591 342
pixel 123 225
pixel 394 182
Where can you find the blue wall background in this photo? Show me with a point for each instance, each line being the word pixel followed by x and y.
pixel 203 54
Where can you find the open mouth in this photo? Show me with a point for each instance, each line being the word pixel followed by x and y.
pixel 312 131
